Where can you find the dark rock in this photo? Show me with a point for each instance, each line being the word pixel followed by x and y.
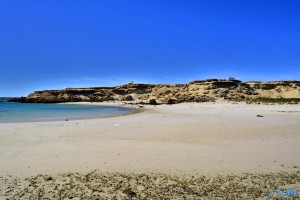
pixel 224 95
pixel 195 193
pixel 129 192
pixel 20 99
pixel 48 178
pixel 259 116
pixel 127 98
pixel 152 102
pixel 171 101
pixel 265 86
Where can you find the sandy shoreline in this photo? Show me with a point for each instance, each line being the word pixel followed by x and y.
pixel 190 139
pixel 204 138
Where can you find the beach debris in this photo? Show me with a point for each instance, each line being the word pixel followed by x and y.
pixel 259 116
pixel 117 125
pixel 104 185
pixel 67 120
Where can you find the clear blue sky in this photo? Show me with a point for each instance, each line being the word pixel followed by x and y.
pixel 54 44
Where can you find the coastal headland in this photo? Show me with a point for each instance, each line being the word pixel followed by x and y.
pixel 195 91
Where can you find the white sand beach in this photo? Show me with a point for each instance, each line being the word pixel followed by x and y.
pixel 182 151
pixel 189 138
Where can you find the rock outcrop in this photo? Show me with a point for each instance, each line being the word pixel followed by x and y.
pixel 195 91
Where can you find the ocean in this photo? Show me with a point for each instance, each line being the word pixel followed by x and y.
pixel 35 112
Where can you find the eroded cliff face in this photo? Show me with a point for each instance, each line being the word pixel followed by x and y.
pixel 195 91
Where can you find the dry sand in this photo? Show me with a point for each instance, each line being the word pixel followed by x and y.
pixel 174 140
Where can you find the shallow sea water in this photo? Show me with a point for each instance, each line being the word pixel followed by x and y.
pixel 33 112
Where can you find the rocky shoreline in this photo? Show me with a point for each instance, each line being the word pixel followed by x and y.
pixel 196 91
pixel 100 185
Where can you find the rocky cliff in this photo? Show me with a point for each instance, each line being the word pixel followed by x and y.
pixel 195 91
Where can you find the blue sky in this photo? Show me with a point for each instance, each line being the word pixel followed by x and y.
pixel 54 44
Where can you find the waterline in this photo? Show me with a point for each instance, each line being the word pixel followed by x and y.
pixel 32 112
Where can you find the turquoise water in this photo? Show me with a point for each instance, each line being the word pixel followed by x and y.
pixel 28 112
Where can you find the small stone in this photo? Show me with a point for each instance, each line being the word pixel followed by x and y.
pixel 48 178
pixel 140 188
pixel 129 192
